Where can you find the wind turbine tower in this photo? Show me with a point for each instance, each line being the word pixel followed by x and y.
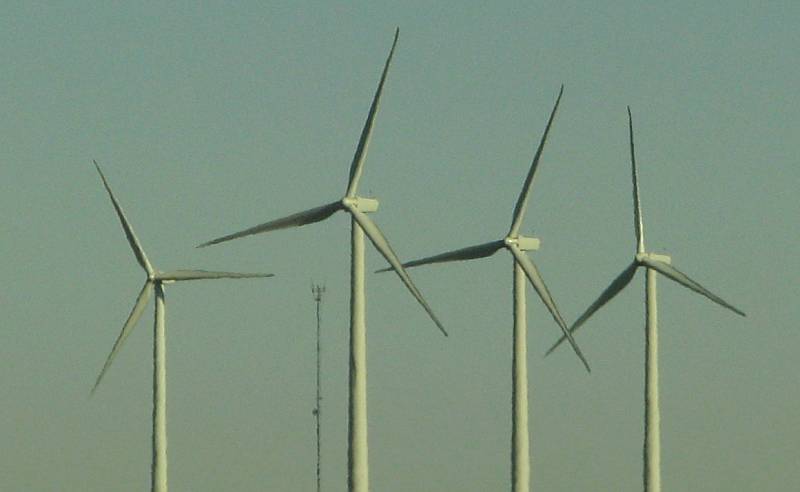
pixel 154 283
pixel 653 264
pixel 523 266
pixel 361 226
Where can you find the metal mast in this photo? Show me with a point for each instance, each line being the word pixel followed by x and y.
pixel 316 291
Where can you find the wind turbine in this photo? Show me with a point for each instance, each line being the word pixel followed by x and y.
pixel 516 244
pixel 357 207
pixel 653 263
pixel 155 282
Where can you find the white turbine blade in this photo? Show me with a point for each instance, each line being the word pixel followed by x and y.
pixel 295 220
pixel 126 226
pixel 136 313
pixel 637 206
pixel 522 201
pixel 619 283
pixel 179 275
pixel 469 253
pixel 538 284
pixel 382 245
pixel 363 143
pixel 673 273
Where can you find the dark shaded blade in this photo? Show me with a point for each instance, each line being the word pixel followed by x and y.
pixel 179 275
pixel 637 206
pixel 136 313
pixel 619 283
pixel 468 253
pixel 363 143
pixel 538 284
pixel 673 273
pixel 295 220
pixel 141 257
pixel 382 245
pixel 522 201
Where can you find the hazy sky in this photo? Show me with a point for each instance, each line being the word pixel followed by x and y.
pixel 208 119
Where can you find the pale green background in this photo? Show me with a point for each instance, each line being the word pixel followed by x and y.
pixel 211 118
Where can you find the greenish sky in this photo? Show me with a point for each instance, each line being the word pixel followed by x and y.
pixel 207 119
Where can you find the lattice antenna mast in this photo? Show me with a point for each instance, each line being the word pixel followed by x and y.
pixel 317 291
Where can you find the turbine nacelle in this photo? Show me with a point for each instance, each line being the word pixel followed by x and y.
pixel 159 277
pixel 640 257
pixel 522 243
pixel 364 205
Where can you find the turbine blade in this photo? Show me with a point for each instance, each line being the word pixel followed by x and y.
pixel 179 275
pixel 619 283
pixel 469 253
pixel 295 220
pixel 522 201
pixel 538 284
pixel 673 273
pixel 141 257
pixel 637 206
pixel 382 245
pixel 136 313
pixel 363 142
